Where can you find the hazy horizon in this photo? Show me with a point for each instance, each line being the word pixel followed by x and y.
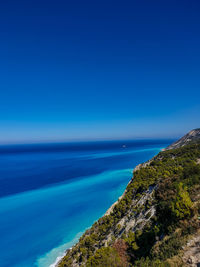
pixel 90 140
pixel 22 139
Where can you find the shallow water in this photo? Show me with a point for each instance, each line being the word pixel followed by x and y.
pixel 51 193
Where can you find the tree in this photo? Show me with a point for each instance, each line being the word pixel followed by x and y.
pixel 181 207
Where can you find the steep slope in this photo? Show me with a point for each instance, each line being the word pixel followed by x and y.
pixel 192 136
pixel 151 222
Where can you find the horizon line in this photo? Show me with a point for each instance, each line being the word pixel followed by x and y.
pixel 89 140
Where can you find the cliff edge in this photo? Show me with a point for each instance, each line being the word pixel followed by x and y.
pixel 192 136
pixel 155 220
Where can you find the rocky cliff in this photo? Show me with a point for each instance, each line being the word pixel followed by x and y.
pixel 192 136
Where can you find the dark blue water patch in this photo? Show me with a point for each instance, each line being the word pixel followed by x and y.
pixel 21 171
pixel 81 146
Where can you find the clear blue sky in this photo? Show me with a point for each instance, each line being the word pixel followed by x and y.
pixel 98 69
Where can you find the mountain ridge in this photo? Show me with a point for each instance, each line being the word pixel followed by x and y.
pixel 192 136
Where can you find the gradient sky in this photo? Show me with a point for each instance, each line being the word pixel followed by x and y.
pixel 98 69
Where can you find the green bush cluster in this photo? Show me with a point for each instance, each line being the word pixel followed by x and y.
pixel 105 256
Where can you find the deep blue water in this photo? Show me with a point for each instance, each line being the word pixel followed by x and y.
pixel 50 193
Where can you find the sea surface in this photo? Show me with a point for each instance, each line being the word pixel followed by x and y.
pixel 51 193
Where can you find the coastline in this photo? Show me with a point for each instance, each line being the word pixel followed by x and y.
pixel 44 261
pixel 61 254
pixel 110 209
pixel 133 212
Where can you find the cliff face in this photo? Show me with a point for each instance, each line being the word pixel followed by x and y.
pixel 154 218
pixel 192 136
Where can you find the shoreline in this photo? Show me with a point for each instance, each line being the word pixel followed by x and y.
pixel 110 209
pixel 60 254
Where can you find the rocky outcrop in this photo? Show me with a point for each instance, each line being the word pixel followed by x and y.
pixel 191 254
pixel 192 136
pixel 137 168
pixel 138 214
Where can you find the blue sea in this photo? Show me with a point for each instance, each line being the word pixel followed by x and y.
pixel 51 193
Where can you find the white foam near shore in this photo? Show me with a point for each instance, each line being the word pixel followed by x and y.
pixel 57 260
pixel 52 258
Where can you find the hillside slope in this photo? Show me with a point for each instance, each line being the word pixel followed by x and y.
pixel 192 136
pixel 153 220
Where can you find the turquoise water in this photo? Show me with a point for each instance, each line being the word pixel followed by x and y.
pixel 51 193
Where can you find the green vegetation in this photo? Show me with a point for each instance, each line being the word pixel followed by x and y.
pixel 105 256
pixel 175 177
